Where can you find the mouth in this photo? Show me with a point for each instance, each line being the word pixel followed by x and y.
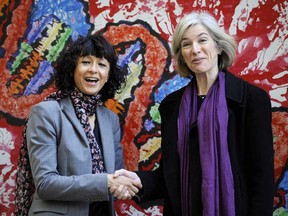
pixel 91 79
pixel 197 60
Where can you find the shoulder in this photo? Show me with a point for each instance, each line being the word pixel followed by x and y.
pixel 251 88
pixel 256 91
pixel 44 113
pixel 238 89
pixel 257 97
pixel 174 97
pixel 47 106
pixel 230 77
pixel 105 111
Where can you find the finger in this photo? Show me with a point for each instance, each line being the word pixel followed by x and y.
pixel 137 183
pixel 128 195
pixel 112 189
pixel 134 189
pixel 117 173
pixel 123 194
pixel 131 193
pixel 118 191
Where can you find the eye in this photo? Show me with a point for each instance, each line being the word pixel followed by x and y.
pixel 202 40
pixel 185 44
pixel 85 62
pixel 102 65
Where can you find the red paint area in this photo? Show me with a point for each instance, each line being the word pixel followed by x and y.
pixel 18 107
pixel 8 165
pixel 155 62
pixel 129 207
pixel 280 131
pixel 262 21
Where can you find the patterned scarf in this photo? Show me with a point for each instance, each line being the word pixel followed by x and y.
pixel 84 106
pixel 212 121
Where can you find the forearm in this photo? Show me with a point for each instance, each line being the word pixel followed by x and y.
pixel 261 152
pixel 153 185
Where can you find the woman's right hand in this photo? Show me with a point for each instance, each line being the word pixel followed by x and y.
pixel 124 184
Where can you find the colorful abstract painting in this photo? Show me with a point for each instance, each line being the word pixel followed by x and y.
pixel 33 34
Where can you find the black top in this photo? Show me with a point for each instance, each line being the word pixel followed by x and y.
pixel 195 172
pixel 100 207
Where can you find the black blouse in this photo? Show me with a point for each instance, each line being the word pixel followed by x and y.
pixel 195 172
pixel 100 207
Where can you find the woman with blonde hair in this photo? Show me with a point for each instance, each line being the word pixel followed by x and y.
pixel 217 144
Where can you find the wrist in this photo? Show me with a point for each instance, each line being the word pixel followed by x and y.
pixel 109 180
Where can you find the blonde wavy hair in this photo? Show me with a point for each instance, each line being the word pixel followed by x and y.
pixel 225 42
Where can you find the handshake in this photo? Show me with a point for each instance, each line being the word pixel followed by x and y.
pixel 124 184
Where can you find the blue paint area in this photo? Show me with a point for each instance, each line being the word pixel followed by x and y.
pixel 124 59
pixel 43 75
pixel 2 52
pixel 37 28
pixel 72 13
pixel 149 125
pixel 170 86
pixel 284 183
pixel 44 14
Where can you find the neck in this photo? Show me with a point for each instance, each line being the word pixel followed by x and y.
pixel 204 82
pixel 92 121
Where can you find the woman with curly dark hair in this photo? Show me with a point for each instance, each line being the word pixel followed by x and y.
pixel 96 46
pixel 71 144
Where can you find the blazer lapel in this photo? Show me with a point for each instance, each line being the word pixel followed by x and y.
pixel 104 127
pixel 67 108
pixel 107 139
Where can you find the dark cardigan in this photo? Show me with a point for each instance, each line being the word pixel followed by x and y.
pixel 250 144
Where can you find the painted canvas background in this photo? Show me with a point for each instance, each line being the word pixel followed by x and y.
pixel 33 34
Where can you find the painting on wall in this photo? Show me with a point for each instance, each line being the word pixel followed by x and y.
pixel 33 34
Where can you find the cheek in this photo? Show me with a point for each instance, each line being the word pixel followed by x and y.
pixel 76 79
pixel 184 56
pixel 105 76
pixel 216 55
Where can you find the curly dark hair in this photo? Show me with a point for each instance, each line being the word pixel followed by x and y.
pixel 95 45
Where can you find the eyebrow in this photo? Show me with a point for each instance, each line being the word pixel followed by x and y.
pixel 199 35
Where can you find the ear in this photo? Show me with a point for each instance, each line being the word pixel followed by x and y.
pixel 219 50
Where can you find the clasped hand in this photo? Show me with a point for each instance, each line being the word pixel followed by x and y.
pixel 124 184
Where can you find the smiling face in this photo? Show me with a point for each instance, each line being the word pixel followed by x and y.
pixel 199 50
pixel 91 73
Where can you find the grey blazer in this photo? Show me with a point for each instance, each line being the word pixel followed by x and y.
pixel 60 159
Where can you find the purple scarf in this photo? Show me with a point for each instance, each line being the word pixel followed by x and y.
pixel 84 106
pixel 212 121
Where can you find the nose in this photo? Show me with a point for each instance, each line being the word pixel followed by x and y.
pixel 94 68
pixel 196 48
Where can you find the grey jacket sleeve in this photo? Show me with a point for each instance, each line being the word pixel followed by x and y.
pixel 60 158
